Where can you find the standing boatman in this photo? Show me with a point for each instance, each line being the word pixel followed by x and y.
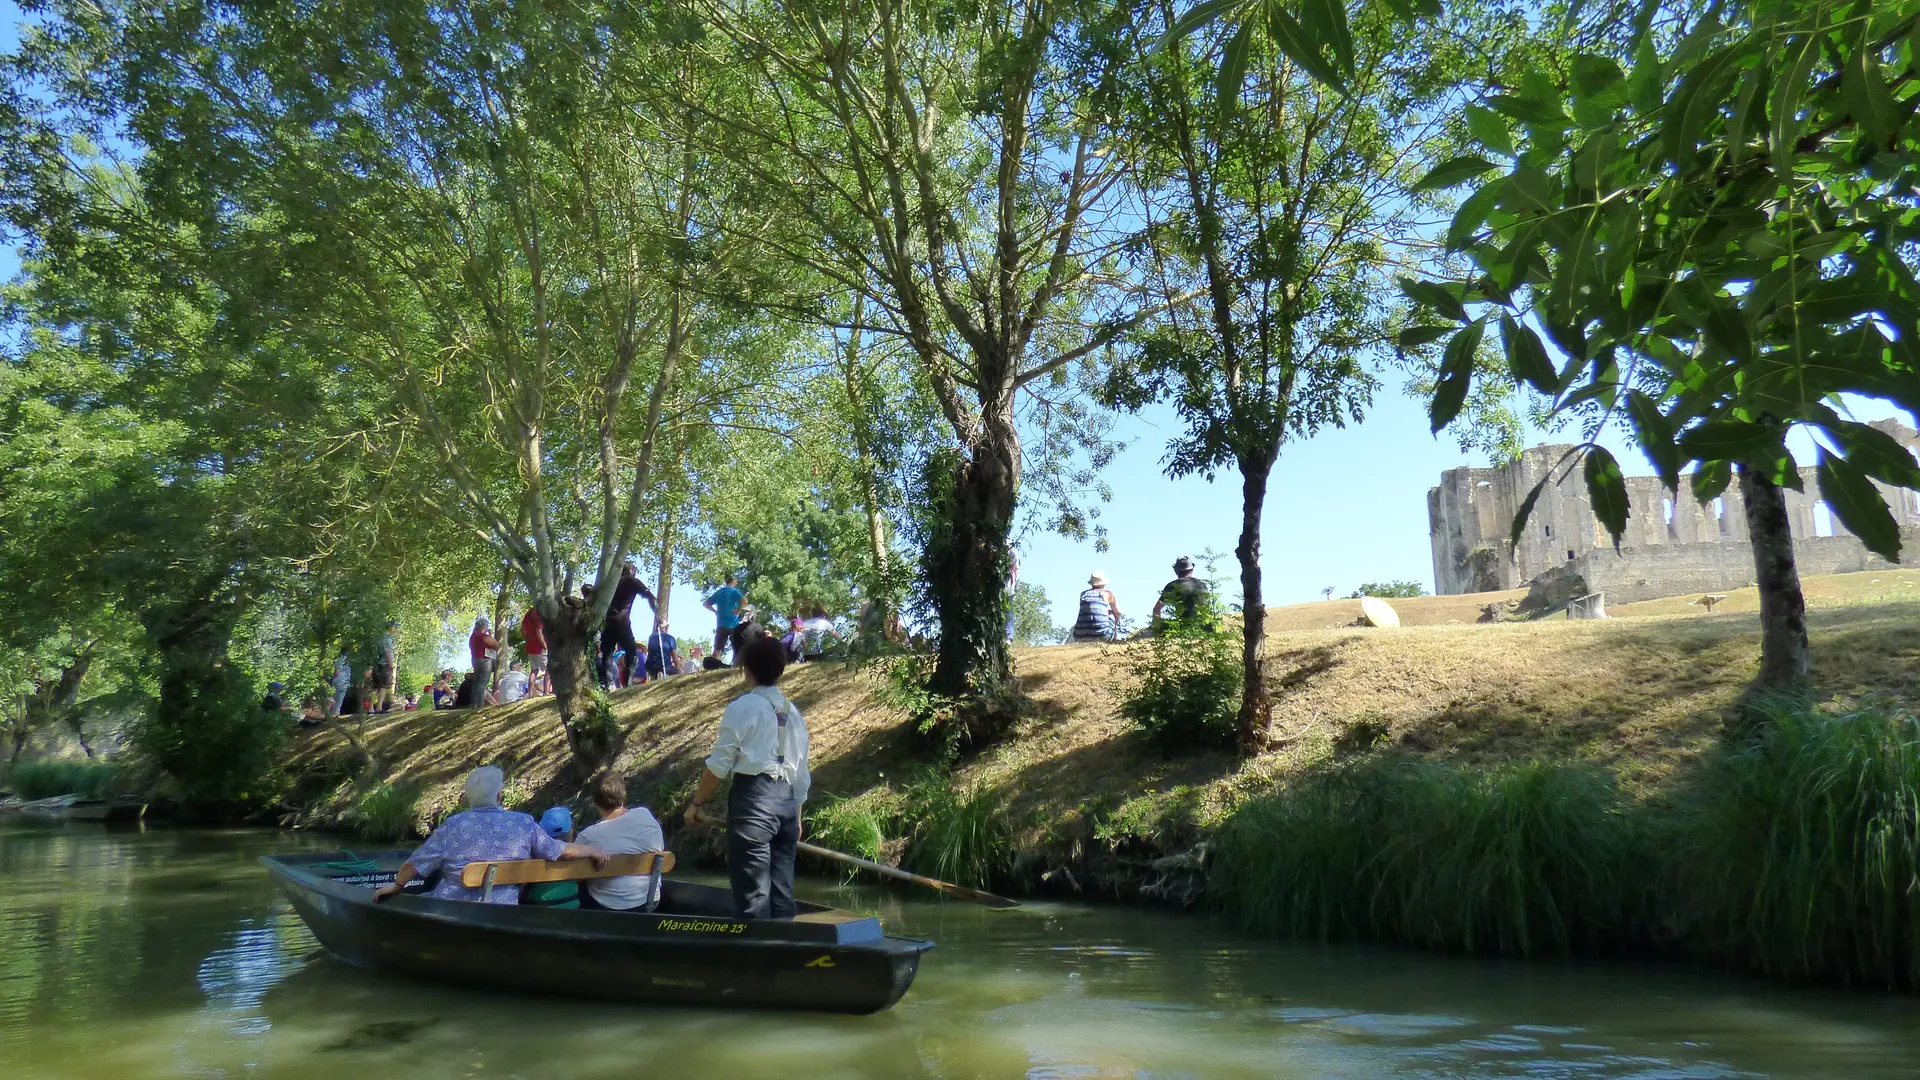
pixel 762 746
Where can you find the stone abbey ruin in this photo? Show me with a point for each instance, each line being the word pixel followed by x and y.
pixel 1672 545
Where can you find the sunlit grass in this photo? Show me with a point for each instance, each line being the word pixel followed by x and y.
pixel 45 779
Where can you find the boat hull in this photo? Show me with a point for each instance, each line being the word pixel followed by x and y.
pixel 825 961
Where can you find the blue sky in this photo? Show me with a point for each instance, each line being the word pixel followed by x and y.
pixel 1348 506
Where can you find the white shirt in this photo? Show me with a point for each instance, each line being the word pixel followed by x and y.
pixel 635 832
pixel 748 743
pixel 513 686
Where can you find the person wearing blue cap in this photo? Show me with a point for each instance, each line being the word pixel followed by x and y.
pixel 273 701
pixel 557 822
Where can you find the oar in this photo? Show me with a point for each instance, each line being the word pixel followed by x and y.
pixel 884 870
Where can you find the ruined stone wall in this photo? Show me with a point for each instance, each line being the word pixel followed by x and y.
pixel 1470 518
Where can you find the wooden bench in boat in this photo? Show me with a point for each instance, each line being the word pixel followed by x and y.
pixel 485 875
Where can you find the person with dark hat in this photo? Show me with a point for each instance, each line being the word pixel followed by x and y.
pixel 1183 598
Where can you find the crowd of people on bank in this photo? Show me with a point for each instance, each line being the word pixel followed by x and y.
pixel 760 749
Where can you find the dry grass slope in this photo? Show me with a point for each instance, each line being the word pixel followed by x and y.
pixel 1641 696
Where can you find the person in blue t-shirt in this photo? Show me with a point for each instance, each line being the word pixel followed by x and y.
pixel 725 605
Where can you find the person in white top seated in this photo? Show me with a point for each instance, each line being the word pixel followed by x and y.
pixel 762 747
pixel 621 830
pixel 513 685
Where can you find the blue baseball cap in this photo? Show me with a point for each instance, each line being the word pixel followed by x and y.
pixel 557 822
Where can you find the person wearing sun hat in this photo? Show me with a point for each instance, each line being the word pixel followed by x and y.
pixel 557 822
pixel 1099 618
pixel 1183 598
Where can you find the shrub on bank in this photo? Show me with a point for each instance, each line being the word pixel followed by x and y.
pixel 45 779
pixel 1186 685
pixel 1802 851
pixel 855 826
pixel 1523 859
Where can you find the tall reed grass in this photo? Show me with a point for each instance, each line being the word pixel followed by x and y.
pixel 1801 854
pixel 856 826
pixel 1793 850
pixel 958 836
pixel 45 779
pixel 387 813
pixel 1524 858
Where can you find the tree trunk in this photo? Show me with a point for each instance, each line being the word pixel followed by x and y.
pixel 1256 706
pixel 570 636
pixel 967 565
pixel 663 584
pixel 500 596
pixel 1785 659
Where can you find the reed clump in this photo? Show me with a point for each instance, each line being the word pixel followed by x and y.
pixel 857 826
pixel 1801 853
pixel 387 812
pixel 1524 859
pixel 45 779
pixel 1793 850
pixel 963 835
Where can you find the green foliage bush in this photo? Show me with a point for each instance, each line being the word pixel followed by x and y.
pixel 958 836
pixel 1186 685
pixel 1523 858
pixel 208 732
pixel 387 812
pixel 1802 854
pixel 45 779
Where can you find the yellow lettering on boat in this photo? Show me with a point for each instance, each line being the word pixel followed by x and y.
pixel 702 926
pixel 822 962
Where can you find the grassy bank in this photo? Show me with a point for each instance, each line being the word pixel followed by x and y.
pixel 1556 737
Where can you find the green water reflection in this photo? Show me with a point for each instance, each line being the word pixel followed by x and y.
pixel 167 954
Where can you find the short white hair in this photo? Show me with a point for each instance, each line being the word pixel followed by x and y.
pixel 484 785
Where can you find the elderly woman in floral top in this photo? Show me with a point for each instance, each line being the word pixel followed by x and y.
pixel 484 833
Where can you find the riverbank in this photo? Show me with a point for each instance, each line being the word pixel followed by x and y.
pixel 1638 698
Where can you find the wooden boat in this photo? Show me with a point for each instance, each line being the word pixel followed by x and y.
pixel 111 811
pixel 690 951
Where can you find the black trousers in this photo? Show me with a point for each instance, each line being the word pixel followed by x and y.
pixel 763 836
pixel 613 636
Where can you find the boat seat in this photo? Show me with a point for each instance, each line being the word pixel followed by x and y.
pixel 485 875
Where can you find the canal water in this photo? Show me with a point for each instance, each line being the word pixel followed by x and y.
pixel 166 953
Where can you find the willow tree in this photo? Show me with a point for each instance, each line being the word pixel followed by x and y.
pixel 1710 213
pixel 954 164
pixel 495 215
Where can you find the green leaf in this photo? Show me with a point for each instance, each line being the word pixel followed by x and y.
pixel 1325 22
pixel 1456 374
pixel 1647 84
pixel 1486 125
pixel 1293 40
pixel 1655 432
pixel 1202 13
pixel 1876 453
pixel 1789 85
pixel 1233 71
pixel 1528 110
pixel 1857 503
pixel 1527 358
pixel 1436 296
pixel 1728 440
pixel 1473 214
pixel 1521 515
pixel 1865 90
pixel 1452 171
pixel 1710 479
pixel 1415 336
pixel 1607 489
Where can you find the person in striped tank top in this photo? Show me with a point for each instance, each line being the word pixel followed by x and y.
pixel 1099 611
